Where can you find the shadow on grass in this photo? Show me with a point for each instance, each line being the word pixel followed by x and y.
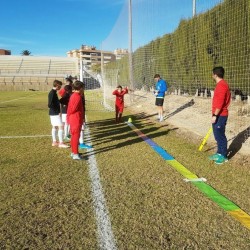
pixel 187 105
pixel 237 142
pixel 106 131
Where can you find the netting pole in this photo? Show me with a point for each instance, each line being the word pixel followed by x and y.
pixel 130 55
pixel 103 80
pixel 81 69
pixel 194 8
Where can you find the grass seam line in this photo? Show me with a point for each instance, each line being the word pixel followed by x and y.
pixel 23 136
pixel 105 233
pixel 19 98
pixel 223 202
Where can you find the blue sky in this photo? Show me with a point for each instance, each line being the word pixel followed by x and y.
pixel 53 27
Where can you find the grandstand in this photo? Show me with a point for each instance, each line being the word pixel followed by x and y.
pixel 34 72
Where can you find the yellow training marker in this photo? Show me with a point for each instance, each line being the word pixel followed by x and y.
pixel 205 138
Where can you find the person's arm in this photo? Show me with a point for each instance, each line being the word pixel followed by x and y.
pixel 157 89
pixel 219 99
pixel 215 115
pixel 74 103
pixel 50 99
pixel 114 92
pixel 166 87
pixel 64 99
pixel 124 91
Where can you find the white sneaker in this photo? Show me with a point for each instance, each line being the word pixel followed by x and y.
pixel 77 157
pixel 62 145
pixel 161 119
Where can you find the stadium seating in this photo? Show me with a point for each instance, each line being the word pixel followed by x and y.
pixel 36 73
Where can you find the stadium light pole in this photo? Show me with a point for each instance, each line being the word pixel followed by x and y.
pixel 130 55
pixel 194 8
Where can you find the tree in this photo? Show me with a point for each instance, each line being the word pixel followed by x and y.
pixel 25 53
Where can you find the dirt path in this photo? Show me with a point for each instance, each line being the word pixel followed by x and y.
pixel 191 115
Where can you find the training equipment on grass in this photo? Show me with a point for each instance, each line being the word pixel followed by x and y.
pixel 195 180
pixel 205 139
pixel 230 207
pixel 130 120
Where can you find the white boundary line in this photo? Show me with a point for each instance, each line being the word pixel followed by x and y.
pixel 105 234
pixel 23 136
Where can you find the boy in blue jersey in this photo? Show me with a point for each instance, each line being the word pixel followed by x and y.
pixel 160 89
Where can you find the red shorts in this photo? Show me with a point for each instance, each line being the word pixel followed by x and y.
pixel 119 109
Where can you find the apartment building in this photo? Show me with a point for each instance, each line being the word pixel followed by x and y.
pixel 91 56
pixel 4 52
pixel 120 53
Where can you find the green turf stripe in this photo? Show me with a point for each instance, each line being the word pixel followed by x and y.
pixel 221 200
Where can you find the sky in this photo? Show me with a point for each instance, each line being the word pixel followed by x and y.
pixel 53 27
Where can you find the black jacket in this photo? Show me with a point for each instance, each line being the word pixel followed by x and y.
pixel 53 103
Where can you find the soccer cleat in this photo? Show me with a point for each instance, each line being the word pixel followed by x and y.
pixel 62 145
pixel 214 157
pixel 77 157
pixel 54 144
pixel 221 159
pixel 84 146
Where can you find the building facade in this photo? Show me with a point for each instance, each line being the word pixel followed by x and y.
pixel 89 55
pixel 4 52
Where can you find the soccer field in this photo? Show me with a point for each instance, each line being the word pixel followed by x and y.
pixel 123 195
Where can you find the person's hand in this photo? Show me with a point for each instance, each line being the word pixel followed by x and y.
pixel 214 118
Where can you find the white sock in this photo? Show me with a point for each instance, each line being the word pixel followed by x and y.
pixel 53 133
pixel 60 135
pixel 81 137
pixel 66 129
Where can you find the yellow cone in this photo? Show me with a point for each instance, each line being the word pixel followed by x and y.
pixel 129 120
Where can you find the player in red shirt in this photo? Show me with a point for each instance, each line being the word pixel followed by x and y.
pixel 119 102
pixel 62 91
pixel 220 104
pixel 75 117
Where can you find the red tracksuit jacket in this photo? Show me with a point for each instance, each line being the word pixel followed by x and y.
pixel 221 98
pixel 75 111
pixel 119 101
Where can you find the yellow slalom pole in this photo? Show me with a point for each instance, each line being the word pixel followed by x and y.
pixel 205 138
